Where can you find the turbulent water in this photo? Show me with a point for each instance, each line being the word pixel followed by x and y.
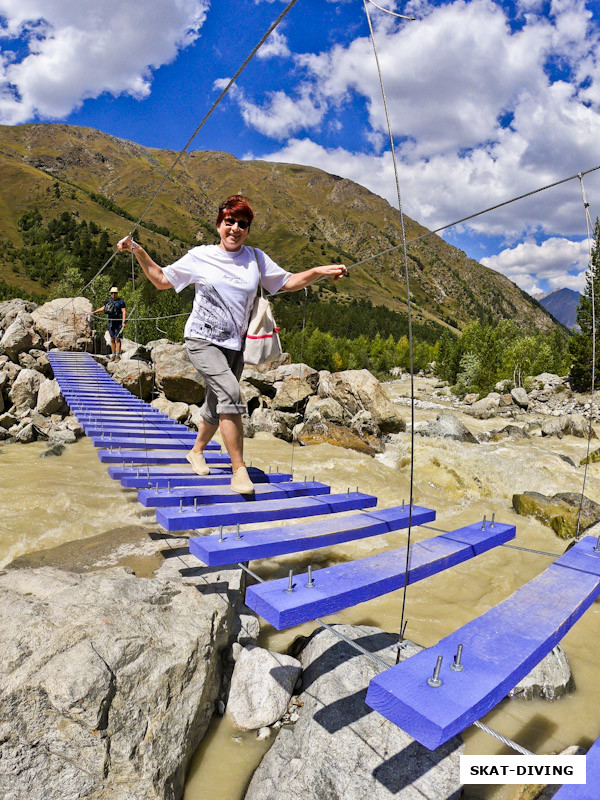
pixel 47 502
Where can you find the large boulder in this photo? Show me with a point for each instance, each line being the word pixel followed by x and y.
pixel 261 687
pixel 568 425
pixel 519 395
pixel 177 411
pixel 278 423
pixel 559 512
pixel 134 375
pixel 108 682
pixel 447 426
pixel 292 394
pixel 323 431
pixel 486 407
pixel 357 390
pixel 20 336
pixel 24 391
pixel 65 323
pixel 10 309
pixel 300 370
pixel 50 399
pixel 339 749
pixel 175 374
pixel 550 679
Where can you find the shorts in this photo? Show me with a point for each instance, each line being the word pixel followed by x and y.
pixel 221 369
pixel 115 328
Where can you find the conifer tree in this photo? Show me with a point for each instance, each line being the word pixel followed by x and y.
pixel 580 344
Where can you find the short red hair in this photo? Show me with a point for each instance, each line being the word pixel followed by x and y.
pixel 236 206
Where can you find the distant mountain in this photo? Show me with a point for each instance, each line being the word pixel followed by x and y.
pixel 304 217
pixel 562 304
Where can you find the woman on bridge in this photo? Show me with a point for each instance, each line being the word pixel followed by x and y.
pixel 226 278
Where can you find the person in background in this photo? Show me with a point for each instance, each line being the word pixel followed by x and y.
pixel 226 278
pixel 116 312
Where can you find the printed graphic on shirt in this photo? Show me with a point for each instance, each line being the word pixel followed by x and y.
pixel 212 318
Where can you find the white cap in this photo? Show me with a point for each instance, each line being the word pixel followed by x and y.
pixel 114 289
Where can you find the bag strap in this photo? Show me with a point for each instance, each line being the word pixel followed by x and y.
pixel 262 293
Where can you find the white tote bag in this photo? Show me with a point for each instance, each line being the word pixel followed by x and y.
pixel 262 340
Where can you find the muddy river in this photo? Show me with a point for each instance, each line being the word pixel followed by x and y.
pixel 47 502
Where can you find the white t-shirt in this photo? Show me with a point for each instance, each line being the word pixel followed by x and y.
pixel 226 285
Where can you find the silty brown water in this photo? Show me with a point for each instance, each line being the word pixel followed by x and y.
pixel 51 501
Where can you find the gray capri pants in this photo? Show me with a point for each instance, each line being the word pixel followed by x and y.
pixel 221 369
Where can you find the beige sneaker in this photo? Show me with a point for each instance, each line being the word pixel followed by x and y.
pixel 198 463
pixel 240 482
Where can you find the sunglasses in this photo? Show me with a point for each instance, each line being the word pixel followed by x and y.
pixel 242 224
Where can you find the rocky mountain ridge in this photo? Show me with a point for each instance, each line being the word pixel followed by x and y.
pixel 304 216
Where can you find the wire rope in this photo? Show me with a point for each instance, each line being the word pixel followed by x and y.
pixel 588 224
pixel 409 314
pixel 392 13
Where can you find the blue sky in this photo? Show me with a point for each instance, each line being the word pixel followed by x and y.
pixel 488 100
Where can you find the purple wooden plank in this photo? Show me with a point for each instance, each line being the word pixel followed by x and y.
pixel 202 495
pixel 217 477
pixel 500 648
pixel 155 457
pixel 141 443
pixel 588 790
pixel 174 519
pixel 345 585
pixel 269 542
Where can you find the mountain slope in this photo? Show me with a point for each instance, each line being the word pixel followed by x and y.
pixel 562 304
pixel 304 216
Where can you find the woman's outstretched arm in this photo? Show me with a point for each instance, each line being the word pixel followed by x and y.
pixel 151 270
pixel 303 279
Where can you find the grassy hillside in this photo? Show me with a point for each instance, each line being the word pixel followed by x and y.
pixel 304 217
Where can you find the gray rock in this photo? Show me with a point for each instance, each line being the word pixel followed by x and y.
pixel 7 420
pixel 324 408
pixel 65 323
pixel 175 376
pixel 292 394
pixel 177 411
pixel 339 749
pixel 263 381
pixel 249 628
pixel 567 424
pixel 261 687
pixel 251 396
pixel 108 682
pixel 512 432
pixel 471 398
pixel 546 380
pixel 24 390
pixel 279 423
pixel 53 450
pixel 50 399
pixel 19 336
pixel 549 680
pixel 302 371
pixel 61 437
pixel 448 426
pixel 357 389
pixel 486 407
pixel 519 395
pixel 134 375
pixel 26 434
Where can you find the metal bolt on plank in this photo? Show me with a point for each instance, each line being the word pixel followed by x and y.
pixel 435 679
pixel 220 533
pixel 310 583
pixel 237 531
pixel 483 524
pixel 456 665
pixel 290 587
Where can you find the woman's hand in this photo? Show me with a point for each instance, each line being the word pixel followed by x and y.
pixel 126 245
pixel 335 271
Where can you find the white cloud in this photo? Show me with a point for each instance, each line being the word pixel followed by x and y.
pixel 275 46
pixel 561 262
pixel 81 49
pixel 281 115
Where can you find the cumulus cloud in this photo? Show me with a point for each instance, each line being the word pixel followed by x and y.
pixel 478 109
pixel 281 115
pixel 275 46
pixel 79 49
pixel 558 261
